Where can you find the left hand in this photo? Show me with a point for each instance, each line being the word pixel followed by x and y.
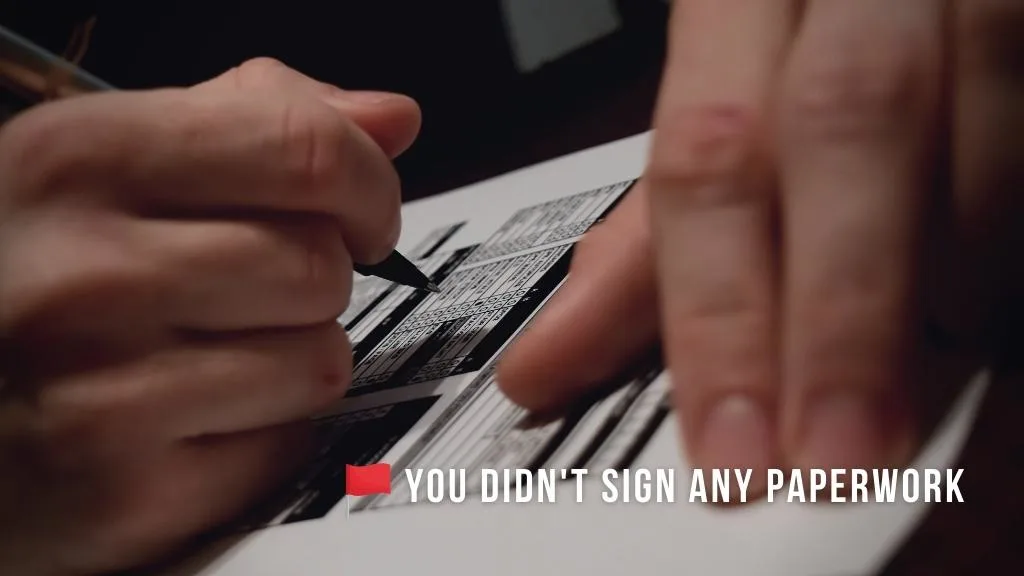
pixel 816 199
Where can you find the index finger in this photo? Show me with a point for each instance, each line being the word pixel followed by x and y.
pixel 182 153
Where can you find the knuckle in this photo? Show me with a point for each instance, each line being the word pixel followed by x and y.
pixel 730 354
pixel 727 326
pixel 70 430
pixel 316 145
pixel 32 160
pixel 257 71
pixel 71 289
pixel 698 148
pixel 843 94
pixel 713 303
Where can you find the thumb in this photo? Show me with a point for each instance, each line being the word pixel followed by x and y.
pixel 392 120
pixel 601 320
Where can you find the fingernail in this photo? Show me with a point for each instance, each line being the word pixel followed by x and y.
pixel 738 434
pixel 842 431
pixel 364 97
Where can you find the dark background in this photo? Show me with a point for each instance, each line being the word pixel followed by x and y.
pixel 483 118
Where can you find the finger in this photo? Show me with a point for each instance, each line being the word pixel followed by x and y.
pixel 568 348
pixel 392 120
pixel 194 488
pixel 859 99
pixel 711 203
pixel 178 153
pixel 204 387
pixel 247 274
pixel 252 382
pixel 247 465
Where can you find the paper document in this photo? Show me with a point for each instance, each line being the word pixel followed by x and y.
pixel 403 337
pixel 424 396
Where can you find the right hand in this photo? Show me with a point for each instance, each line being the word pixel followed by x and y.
pixel 172 264
pixel 824 240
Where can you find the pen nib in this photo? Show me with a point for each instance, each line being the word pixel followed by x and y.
pixel 433 288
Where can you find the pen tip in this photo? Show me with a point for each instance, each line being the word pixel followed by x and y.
pixel 433 288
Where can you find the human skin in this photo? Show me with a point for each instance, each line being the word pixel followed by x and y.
pixel 821 238
pixel 172 264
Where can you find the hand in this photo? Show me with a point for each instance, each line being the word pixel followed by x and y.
pixel 172 264
pixel 826 226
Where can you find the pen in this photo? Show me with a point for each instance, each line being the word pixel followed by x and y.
pixel 399 270
pixel 30 73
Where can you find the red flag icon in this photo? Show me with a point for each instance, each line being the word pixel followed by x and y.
pixel 367 480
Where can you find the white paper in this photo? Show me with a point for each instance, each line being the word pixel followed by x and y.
pixel 424 369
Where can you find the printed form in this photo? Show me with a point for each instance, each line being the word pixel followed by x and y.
pixel 424 396
pixel 403 338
